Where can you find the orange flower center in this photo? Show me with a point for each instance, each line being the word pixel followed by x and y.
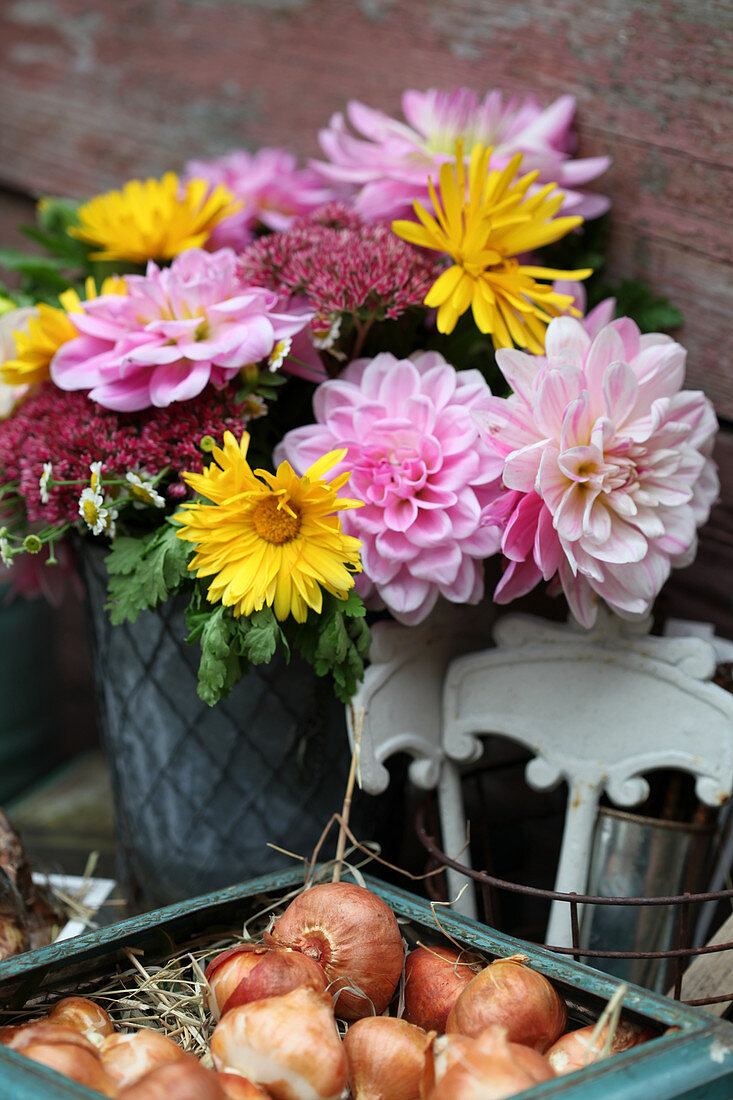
pixel 276 525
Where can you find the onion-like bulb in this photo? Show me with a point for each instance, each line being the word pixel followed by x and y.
pixel 354 936
pixel 128 1056
pixel 237 1087
pixel 490 1068
pixel 84 1016
pixel 256 970
pixel 287 1044
pixel 185 1079
pixel 576 1049
pixel 41 1031
pixel 73 1061
pixel 514 996
pixel 434 978
pixel 386 1058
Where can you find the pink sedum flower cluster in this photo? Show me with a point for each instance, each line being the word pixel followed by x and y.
pixel 425 476
pixel 388 164
pixel 73 432
pixel 271 187
pixel 342 265
pixel 607 466
pixel 175 331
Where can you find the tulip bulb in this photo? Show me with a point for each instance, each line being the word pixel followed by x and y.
pixel 73 1061
pixel 237 1087
pixel 386 1057
pixel 490 1068
pixel 576 1049
pixel 83 1015
pixel 41 1031
pixel 354 936
pixel 287 1044
pixel 434 978
pixel 185 1079
pixel 514 996
pixel 128 1056
pixel 253 971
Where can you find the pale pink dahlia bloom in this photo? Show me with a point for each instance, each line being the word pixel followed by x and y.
pixel 173 333
pixel 425 476
pixel 388 164
pixel 607 467
pixel 269 184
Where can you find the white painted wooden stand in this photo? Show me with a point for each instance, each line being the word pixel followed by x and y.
pixel 596 708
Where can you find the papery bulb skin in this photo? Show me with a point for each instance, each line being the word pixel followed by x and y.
pixel 73 1061
pixel 576 1049
pixel 43 1031
pixel 128 1056
pixel 386 1058
pixel 250 972
pixel 512 995
pixel 289 1045
pixel 237 1087
pixel 83 1015
pixel 490 1068
pixel 185 1079
pixel 434 978
pixel 354 936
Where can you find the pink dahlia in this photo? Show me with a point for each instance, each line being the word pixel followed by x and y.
pixel 388 164
pixel 269 184
pixel 174 332
pixel 607 468
pixel 425 476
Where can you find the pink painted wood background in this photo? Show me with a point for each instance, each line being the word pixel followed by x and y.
pixel 93 94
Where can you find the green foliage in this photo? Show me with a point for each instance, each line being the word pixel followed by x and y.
pixel 145 571
pixel 65 264
pixel 336 642
pixel 636 299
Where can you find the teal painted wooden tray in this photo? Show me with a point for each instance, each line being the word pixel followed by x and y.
pixel 695 1063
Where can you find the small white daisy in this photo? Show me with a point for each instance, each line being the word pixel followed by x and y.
pixel 145 491
pixel 95 476
pixel 93 511
pixel 279 353
pixel 45 480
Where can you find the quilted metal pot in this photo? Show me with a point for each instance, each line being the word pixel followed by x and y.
pixel 201 791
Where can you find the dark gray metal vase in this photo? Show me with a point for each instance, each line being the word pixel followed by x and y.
pixel 200 791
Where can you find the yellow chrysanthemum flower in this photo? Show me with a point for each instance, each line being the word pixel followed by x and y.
pixel 483 228
pixel 45 332
pixel 269 539
pixel 152 219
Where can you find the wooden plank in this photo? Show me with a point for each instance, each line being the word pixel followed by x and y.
pixel 93 97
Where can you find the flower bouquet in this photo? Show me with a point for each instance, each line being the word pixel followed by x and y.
pixel 294 395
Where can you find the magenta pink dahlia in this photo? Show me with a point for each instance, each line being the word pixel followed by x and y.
pixel 270 186
pixel 425 476
pixel 173 333
pixel 388 164
pixel 607 468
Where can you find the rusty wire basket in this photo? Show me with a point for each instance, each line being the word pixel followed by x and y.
pixel 679 955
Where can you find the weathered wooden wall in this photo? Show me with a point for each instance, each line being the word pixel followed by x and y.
pixel 94 93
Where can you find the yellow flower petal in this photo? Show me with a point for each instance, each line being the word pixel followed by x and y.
pixel 483 220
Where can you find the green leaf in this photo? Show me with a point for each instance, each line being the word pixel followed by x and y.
pixel 262 636
pixel 219 668
pixel 336 642
pixel 142 584
pixel 124 555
